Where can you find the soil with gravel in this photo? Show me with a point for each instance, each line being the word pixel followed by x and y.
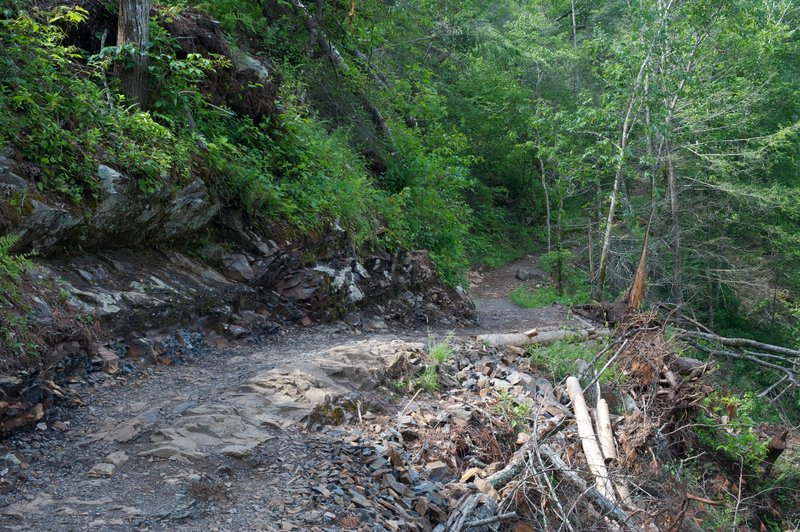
pixel 496 311
pixel 296 479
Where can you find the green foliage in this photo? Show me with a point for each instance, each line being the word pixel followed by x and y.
pixel 440 351
pixel 528 297
pixel 55 112
pixel 725 423
pixel 517 414
pixel 428 380
pixel 11 268
pixel 559 360
pixel 568 286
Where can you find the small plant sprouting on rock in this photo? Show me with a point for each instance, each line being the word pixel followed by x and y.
pixel 439 352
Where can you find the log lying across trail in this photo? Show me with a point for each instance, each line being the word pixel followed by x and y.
pixel 540 338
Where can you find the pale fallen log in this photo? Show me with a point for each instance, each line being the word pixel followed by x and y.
pixel 609 448
pixel 541 338
pixel 608 507
pixel 594 458
pixel 604 433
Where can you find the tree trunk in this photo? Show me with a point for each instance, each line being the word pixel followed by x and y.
pixel 133 29
pixel 619 175
pixel 672 185
pixel 547 206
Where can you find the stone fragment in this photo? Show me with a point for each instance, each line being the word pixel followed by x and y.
pixel 117 458
pixel 140 349
pixel 237 267
pixel 102 470
pixel 109 359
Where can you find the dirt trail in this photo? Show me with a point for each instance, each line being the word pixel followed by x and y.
pixel 497 313
pixel 45 479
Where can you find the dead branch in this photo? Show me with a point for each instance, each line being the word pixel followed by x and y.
pixel 739 342
pixel 790 373
pixel 492 520
pixel 608 507
pixel 519 460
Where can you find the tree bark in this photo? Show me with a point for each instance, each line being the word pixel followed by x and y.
pixel 594 458
pixel 672 185
pixel 546 206
pixel 133 29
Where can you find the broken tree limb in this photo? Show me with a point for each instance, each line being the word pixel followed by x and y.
pixel 594 458
pixel 541 338
pixel 604 433
pixel 607 506
pixel 609 448
pixel 470 508
pixel 739 342
pixel 519 460
pixel 493 520
pixel 790 372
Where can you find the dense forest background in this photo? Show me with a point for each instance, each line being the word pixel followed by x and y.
pixel 480 131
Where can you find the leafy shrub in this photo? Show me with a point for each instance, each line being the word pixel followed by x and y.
pixel 725 423
pixel 517 414
pixel 55 112
pixel 11 267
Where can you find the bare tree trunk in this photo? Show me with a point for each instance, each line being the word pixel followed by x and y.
pixel 547 206
pixel 560 263
pixel 133 29
pixel 618 177
pixel 672 185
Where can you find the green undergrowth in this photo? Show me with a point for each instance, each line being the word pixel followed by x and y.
pixel 532 297
pixel 559 360
pixel 439 352
pixel 566 285
pixel 62 110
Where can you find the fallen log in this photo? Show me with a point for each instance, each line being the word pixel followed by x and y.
pixel 541 338
pixel 608 507
pixel 594 458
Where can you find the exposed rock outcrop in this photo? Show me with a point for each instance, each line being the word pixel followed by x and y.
pixel 123 217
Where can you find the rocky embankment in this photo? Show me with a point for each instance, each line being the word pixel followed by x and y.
pixel 111 285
